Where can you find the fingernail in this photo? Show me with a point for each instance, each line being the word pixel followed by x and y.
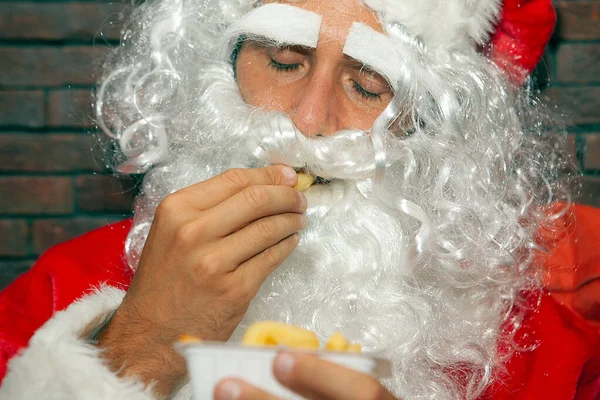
pixel 228 390
pixel 284 363
pixel 290 174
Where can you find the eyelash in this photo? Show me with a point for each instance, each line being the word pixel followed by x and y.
pixel 365 93
pixel 293 67
pixel 283 67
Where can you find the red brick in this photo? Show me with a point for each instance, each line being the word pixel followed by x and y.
pixel 48 21
pixel 105 193
pixel 578 20
pixel 70 108
pixel 36 195
pixel 50 66
pixel 591 191
pixel 591 152
pixel 13 238
pixel 50 232
pixel 10 270
pixel 22 108
pixel 49 153
pixel 580 105
pixel 578 63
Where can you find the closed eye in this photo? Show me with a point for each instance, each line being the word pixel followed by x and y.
pixel 283 67
pixel 365 93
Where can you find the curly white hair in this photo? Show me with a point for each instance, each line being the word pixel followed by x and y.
pixel 423 243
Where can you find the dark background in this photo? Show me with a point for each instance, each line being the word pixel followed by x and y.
pixel 53 183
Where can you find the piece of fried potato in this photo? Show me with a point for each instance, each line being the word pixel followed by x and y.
pixel 268 333
pixel 304 181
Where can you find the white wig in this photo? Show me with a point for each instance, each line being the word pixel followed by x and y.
pixel 422 246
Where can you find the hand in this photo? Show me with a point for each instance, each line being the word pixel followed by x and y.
pixel 209 249
pixel 310 377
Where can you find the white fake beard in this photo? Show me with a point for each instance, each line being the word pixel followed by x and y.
pixel 426 269
pixel 356 269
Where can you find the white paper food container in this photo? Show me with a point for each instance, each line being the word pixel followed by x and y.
pixel 209 363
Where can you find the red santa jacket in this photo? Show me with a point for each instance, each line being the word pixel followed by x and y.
pixel 565 363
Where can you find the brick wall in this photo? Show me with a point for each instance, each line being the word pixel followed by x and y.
pixel 573 64
pixel 53 185
pixel 53 182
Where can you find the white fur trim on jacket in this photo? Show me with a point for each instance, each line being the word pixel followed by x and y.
pixel 60 363
pixel 444 23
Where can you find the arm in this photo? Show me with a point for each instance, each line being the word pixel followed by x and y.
pixel 209 249
pixel 188 281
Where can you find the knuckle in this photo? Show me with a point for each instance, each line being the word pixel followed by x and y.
pixel 256 196
pixel 209 264
pixel 273 175
pixel 266 229
pixel 272 256
pixel 168 206
pixel 237 177
pixel 185 234
pixel 295 198
pixel 293 219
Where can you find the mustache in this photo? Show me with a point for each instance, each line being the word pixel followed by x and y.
pixel 274 139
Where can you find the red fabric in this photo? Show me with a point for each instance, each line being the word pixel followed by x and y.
pixel 521 36
pixel 578 288
pixel 564 365
pixel 61 275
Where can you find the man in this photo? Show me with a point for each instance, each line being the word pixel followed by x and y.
pixel 437 191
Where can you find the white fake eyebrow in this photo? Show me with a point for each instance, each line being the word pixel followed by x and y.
pixel 375 50
pixel 281 23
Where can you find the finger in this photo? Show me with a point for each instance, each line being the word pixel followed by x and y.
pixel 258 237
pixel 254 271
pixel 310 376
pixel 236 389
pixel 207 194
pixel 250 205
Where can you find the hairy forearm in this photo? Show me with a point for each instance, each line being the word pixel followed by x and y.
pixel 133 349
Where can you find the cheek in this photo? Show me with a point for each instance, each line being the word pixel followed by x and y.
pixel 249 80
pixel 356 113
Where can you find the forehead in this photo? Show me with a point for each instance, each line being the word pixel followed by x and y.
pixel 337 16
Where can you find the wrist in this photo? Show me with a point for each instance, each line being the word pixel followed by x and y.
pixel 93 334
pixel 134 349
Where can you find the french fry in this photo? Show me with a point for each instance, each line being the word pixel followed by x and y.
pixel 304 181
pixel 269 333
pixel 337 342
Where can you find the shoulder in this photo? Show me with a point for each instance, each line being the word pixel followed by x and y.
pixel 66 272
pixel 61 275
pixel 79 265
pixel 560 335
pixel 558 357
pixel 99 250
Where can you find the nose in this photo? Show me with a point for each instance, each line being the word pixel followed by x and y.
pixel 314 107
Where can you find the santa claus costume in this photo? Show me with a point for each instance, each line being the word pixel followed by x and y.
pixel 49 314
